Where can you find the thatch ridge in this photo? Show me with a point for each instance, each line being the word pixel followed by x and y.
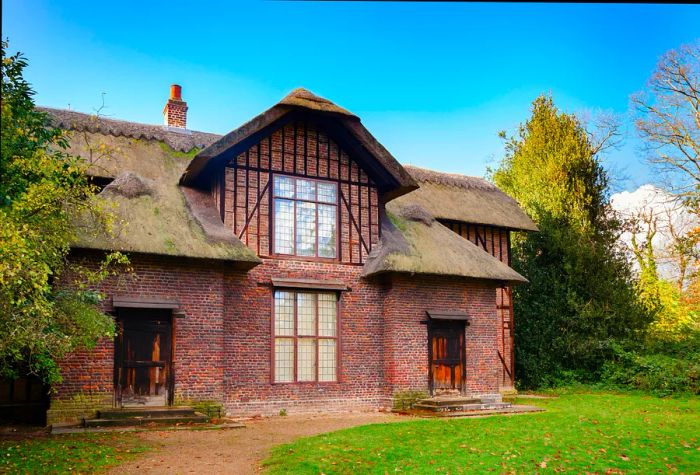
pixel 449 179
pixel 306 99
pixel 181 140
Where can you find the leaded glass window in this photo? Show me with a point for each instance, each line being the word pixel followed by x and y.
pixel 305 336
pixel 305 217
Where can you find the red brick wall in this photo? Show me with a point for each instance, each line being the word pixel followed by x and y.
pixel 223 345
pixel 495 241
pixel 406 338
pixel 249 389
pixel 199 337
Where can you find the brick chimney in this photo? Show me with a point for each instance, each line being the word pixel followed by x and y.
pixel 175 110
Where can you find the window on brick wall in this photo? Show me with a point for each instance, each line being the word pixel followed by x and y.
pixel 305 217
pixel 305 336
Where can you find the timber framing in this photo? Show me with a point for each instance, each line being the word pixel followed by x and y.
pixel 345 128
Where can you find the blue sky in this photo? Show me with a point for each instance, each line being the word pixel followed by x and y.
pixel 433 82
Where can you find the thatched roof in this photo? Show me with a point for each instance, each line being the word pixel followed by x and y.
pixel 157 212
pixel 300 97
pixel 414 243
pixel 180 140
pixel 153 214
pixel 464 198
pixel 346 128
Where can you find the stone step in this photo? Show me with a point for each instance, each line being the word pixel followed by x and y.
pixel 145 412
pixel 439 401
pixel 519 409
pixel 462 407
pixel 136 420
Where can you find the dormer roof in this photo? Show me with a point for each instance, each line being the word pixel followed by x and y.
pixel 345 127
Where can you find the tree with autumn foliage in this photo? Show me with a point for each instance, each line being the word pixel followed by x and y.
pixel 44 312
pixel 668 122
pixel 582 297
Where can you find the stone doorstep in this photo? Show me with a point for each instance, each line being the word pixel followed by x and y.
pixel 137 421
pixel 145 412
pixel 462 407
pixel 449 401
pixel 58 429
pixel 453 403
pixel 136 416
pixel 512 410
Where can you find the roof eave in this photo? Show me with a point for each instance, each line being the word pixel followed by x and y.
pixel 238 264
pixel 498 281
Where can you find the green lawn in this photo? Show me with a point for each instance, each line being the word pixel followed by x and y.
pixel 77 453
pixel 579 433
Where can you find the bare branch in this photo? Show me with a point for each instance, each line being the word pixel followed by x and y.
pixel 668 120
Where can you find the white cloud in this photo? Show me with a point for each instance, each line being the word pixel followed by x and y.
pixel 669 214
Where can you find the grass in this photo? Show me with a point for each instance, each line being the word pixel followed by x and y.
pixel 579 433
pixel 75 453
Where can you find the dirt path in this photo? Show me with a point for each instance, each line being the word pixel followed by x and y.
pixel 236 451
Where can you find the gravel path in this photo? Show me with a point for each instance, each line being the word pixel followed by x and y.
pixel 236 451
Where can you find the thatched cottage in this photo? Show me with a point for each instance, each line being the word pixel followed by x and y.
pixel 292 263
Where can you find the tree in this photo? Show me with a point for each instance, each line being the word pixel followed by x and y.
pixel 668 120
pixel 47 307
pixel 581 298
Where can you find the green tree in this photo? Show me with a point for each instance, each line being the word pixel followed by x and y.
pixel 581 298
pixel 47 308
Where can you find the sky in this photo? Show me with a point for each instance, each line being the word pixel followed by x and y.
pixel 434 82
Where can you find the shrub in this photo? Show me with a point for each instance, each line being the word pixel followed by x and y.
pixel 662 368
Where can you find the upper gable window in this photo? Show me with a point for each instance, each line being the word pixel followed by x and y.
pixel 305 217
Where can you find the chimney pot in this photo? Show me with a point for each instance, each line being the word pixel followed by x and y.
pixel 176 92
pixel 175 110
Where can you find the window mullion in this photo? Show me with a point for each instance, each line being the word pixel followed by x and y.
pixel 296 342
pixel 316 316
pixel 294 237
pixel 337 337
pixel 318 227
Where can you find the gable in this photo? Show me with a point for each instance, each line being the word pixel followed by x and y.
pixel 346 129
pixel 302 149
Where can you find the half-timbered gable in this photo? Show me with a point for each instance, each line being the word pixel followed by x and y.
pixel 300 153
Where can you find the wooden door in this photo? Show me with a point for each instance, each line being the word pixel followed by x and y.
pixel 144 358
pixel 447 356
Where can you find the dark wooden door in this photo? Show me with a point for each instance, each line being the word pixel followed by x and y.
pixel 144 358
pixel 23 400
pixel 447 356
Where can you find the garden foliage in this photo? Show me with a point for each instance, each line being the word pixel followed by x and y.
pixel 582 299
pixel 47 306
